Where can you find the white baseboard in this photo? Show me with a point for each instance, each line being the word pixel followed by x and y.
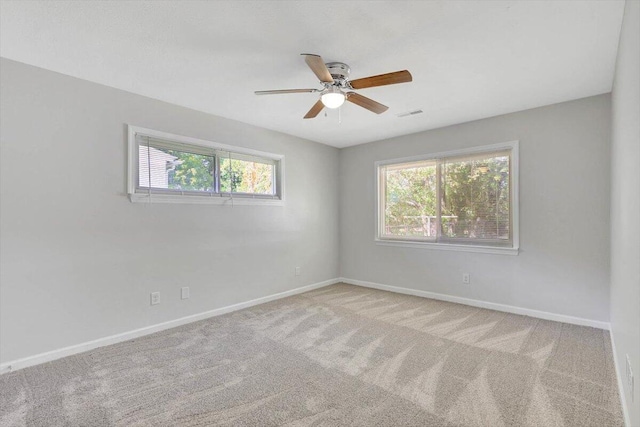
pixel 125 336
pixel 483 304
pixel 623 400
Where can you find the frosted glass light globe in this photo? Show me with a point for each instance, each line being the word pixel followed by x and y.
pixel 333 99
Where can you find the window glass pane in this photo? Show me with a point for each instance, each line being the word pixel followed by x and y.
pixel 475 197
pixel 410 200
pixel 242 176
pixel 175 169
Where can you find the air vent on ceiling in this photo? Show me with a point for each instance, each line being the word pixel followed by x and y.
pixel 410 113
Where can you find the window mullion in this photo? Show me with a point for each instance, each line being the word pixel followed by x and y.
pixel 149 168
pixel 216 173
pixel 382 204
pixel 438 199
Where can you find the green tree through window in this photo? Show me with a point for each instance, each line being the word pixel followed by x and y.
pixel 190 172
pixel 463 198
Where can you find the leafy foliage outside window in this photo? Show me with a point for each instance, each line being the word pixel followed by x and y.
pixel 190 172
pixel 180 170
pixel 471 201
pixel 475 198
pixel 241 176
pixel 411 201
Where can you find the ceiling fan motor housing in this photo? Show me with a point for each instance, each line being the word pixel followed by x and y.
pixel 338 70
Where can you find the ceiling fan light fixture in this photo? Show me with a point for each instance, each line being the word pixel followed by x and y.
pixel 334 76
pixel 332 97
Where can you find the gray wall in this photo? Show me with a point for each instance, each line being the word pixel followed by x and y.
pixel 79 260
pixel 625 205
pixel 563 266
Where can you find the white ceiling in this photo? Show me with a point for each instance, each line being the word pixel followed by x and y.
pixel 469 59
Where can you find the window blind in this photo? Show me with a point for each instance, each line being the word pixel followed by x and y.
pixel 173 167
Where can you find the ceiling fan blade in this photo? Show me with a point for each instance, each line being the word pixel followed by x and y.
pixel 367 103
pixel 316 63
pixel 280 91
pixel 382 80
pixel 315 110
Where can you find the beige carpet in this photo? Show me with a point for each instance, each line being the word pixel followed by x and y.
pixel 340 355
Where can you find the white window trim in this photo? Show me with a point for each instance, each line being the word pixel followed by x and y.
pixel 214 199
pixel 514 195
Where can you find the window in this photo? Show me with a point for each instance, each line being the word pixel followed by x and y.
pixel 465 200
pixel 176 169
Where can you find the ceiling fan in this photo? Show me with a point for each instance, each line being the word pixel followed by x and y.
pixel 334 76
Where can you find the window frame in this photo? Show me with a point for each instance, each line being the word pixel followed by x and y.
pixel 453 244
pixel 155 195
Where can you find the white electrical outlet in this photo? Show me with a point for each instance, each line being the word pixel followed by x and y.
pixel 466 278
pixel 297 271
pixel 155 298
pixel 184 292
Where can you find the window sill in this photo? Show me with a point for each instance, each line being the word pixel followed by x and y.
pixel 496 250
pixel 203 200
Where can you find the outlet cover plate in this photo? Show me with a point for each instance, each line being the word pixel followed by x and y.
pixel 155 298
